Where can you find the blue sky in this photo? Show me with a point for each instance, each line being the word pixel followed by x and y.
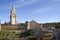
pixel 42 11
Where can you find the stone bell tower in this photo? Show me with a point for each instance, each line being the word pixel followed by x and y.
pixel 13 16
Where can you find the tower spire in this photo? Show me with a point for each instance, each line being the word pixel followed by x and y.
pixel 13 11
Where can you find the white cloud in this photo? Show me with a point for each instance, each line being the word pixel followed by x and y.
pixel 42 10
pixel 19 1
pixel 54 1
pixel 48 7
pixel 25 2
pixel 13 3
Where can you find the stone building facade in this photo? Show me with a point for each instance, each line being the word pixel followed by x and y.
pixel 14 25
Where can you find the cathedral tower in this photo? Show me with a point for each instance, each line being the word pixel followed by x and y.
pixel 13 16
